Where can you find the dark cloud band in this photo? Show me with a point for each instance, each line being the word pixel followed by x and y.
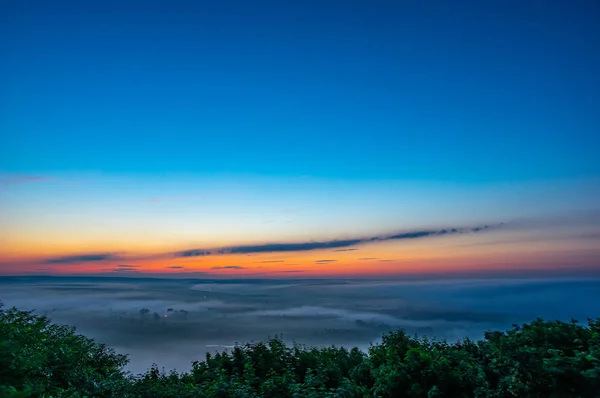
pixel 84 258
pixel 288 247
pixel 338 245
pixel 193 253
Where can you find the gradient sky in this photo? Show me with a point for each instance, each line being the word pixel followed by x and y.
pixel 134 134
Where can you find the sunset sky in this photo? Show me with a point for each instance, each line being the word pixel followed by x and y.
pixel 299 139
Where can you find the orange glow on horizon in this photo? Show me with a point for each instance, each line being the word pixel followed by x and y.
pixel 468 253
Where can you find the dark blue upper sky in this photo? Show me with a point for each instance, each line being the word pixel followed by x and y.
pixel 414 90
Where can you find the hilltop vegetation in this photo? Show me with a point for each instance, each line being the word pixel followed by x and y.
pixel 539 359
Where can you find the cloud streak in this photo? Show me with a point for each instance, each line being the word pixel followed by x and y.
pixel 193 253
pixel 8 180
pixel 229 267
pixel 288 247
pixel 121 269
pixel 84 258
pixel 338 245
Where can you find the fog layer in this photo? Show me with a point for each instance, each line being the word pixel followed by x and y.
pixel 187 318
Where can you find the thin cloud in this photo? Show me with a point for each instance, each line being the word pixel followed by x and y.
pixel 121 270
pixel 175 267
pixel 269 262
pixel 84 258
pixel 412 235
pixel 288 247
pixel 229 267
pixel 338 245
pixel 124 268
pixel 344 250
pixel 368 258
pixel 18 179
pixel 193 253
pixel 325 261
pixel 423 234
pixel 270 273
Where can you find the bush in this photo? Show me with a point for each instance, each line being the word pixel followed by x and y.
pixel 539 359
pixel 39 358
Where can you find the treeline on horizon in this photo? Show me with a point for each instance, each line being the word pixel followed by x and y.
pixel 540 359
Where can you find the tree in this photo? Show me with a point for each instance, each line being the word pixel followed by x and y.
pixel 539 359
pixel 43 359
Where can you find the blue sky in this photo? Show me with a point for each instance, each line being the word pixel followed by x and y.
pixel 467 91
pixel 181 125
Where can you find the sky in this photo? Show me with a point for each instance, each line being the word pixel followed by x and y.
pixel 299 139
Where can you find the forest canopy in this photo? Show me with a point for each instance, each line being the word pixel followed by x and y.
pixel 539 359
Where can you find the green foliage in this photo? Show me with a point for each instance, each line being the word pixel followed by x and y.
pixel 42 359
pixel 535 360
